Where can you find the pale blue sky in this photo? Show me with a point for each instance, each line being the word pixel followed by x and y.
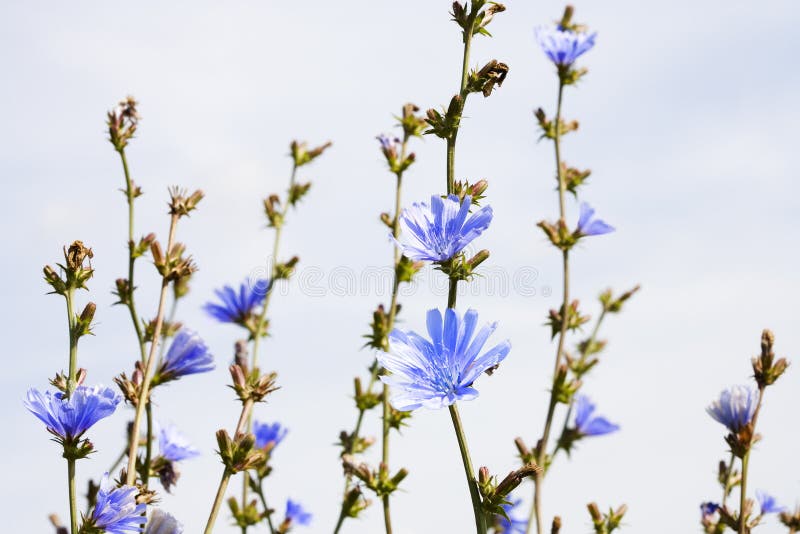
pixel 688 121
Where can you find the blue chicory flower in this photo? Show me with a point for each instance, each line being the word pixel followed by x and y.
pixel 69 418
pixel 439 372
pixel 163 523
pixel 116 511
pixel 563 46
pixel 387 143
pixel 511 525
pixel 237 307
pixel 187 355
pixel 439 231
pixel 734 408
pixel 707 509
pixel 267 433
pixel 296 514
pixel 768 504
pixel 588 226
pixel 588 424
pixel 174 446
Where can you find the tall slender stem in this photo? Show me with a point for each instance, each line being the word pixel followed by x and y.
pixel 266 508
pixel 72 381
pixel 729 471
pixel 73 498
pixel 589 342
pixel 274 259
pixel 223 485
pixel 71 385
pixel 244 417
pixel 148 447
pixel 452 293
pixel 262 318
pixel 385 434
pixel 743 494
pixel 746 465
pixel 148 370
pixel 131 305
pixel 536 510
pixel 396 256
pixel 472 483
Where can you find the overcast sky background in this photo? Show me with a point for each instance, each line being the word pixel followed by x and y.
pixel 688 121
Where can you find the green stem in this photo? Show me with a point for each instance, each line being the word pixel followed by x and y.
pixel 472 483
pixel 73 498
pixel 536 511
pixel 149 365
pixel 266 508
pixel 727 489
pixel 223 485
pixel 387 518
pixel 148 448
pixel 71 385
pixel 376 368
pixel 72 378
pixel 468 31
pixel 589 342
pixel 746 465
pixel 129 194
pixel 462 91
pixel 275 249
pixel 743 495
pixel 244 419
pixel 339 522
pixel 452 293
pixel 262 318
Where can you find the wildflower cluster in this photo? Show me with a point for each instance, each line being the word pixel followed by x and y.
pixel 437 366
pixel 737 409
pixel 250 448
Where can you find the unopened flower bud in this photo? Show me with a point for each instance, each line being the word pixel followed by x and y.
pixel 478 258
pixel 483 475
pixel 55 281
pixel 237 375
pixel 80 376
pixel 87 315
pixel 158 254
pixel 594 511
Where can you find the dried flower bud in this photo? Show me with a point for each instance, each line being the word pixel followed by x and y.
pixel 413 125
pixel 302 155
pixel 766 369
pixel 180 205
pixel 273 211
pixel 56 522
pixel 122 122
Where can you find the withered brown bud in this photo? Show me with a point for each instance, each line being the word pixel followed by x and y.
pixel 181 205
pixel 515 478
pixel 594 511
pixel 76 254
pixel 56 522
